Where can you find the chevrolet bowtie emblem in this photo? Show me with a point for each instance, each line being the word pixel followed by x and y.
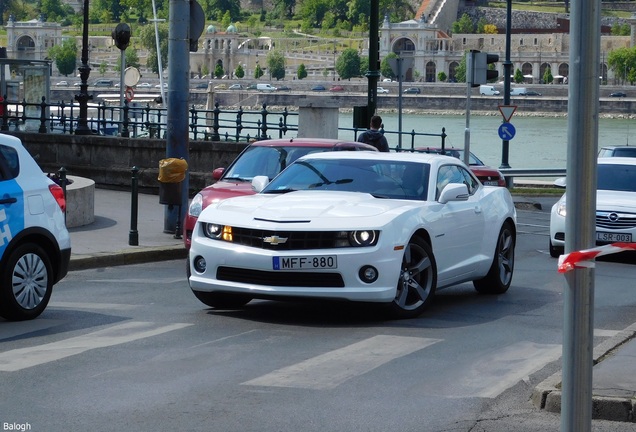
pixel 275 240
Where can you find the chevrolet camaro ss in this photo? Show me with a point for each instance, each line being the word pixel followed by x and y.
pixel 386 228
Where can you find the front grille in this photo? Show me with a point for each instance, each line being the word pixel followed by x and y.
pixel 295 240
pixel 615 221
pixel 279 278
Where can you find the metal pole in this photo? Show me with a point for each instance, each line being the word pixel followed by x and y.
pixel 469 86
pixel 159 65
pixel 399 70
pixel 374 48
pixel 507 72
pixel 83 97
pixel 133 235
pixel 578 299
pixel 177 138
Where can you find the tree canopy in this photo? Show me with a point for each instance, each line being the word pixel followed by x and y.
pixel 65 56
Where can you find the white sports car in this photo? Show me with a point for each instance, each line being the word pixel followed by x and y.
pixel 615 205
pixel 360 226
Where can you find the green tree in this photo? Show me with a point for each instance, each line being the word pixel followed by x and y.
pixel 54 10
pixel 364 65
pixel 276 64
pixel 103 67
pixel 385 67
pixel 65 56
pixel 148 41
pixel 463 25
pixel 348 64
pixel 623 62
pixel 460 70
pixel 441 76
pixel 239 72
pixel 219 71
pixel 301 72
pixel 216 9
pixel 518 77
pixel 547 76
pixel 258 71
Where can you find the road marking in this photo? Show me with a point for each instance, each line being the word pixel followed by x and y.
pixel 23 358
pixel 331 369
pixel 606 333
pixel 96 306
pixel 491 375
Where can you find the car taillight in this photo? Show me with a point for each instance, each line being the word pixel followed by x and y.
pixel 58 194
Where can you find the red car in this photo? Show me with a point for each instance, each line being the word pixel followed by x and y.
pixel 488 176
pixel 268 157
pixel 336 89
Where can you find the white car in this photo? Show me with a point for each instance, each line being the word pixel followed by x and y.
pixel 362 226
pixel 35 246
pixel 382 90
pixel 62 84
pixel 144 85
pixel 615 206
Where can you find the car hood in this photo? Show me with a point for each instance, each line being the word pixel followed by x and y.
pixel 318 208
pixel 222 190
pixel 607 200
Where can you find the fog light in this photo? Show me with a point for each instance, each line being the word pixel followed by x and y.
pixel 368 274
pixel 199 264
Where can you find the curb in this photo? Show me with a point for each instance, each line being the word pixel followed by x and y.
pixel 127 256
pixel 547 394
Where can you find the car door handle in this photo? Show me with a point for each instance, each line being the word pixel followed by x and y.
pixel 10 200
pixel 477 209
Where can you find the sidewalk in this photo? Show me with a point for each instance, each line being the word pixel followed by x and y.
pixel 105 242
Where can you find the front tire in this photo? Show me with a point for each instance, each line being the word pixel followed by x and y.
pixel 556 251
pixel 499 277
pixel 26 283
pixel 417 282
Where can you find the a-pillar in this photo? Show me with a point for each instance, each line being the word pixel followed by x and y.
pixel 318 117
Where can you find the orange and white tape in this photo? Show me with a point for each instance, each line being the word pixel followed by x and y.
pixel 585 258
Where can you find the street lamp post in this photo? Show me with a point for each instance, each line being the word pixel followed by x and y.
pixel 83 97
pixel 507 71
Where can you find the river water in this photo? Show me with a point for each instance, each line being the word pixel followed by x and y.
pixel 539 142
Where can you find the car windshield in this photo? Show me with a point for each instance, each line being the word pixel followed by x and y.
pixel 382 179
pixel 264 160
pixel 617 177
pixel 457 153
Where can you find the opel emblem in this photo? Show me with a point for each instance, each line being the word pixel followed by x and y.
pixel 275 240
pixel 612 217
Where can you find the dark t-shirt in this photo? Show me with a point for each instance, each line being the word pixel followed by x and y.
pixel 374 138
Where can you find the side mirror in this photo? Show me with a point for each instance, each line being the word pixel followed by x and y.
pixel 217 173
pixel 259 183
pixel 453 192
pixel 560 182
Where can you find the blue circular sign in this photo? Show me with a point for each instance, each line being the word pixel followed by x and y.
pixel 507 131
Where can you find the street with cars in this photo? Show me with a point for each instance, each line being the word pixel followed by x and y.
pixel 131 345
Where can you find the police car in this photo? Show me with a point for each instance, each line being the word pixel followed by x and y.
pixel 35 246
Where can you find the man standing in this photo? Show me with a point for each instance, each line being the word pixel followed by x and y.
pixel 373 136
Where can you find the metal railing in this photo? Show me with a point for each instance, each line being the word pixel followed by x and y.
pixel 132 120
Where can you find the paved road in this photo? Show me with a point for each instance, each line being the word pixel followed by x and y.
pixel 130 347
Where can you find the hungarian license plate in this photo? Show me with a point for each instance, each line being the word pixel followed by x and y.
pixel 305 262
pixel 613 237
pixel 490 183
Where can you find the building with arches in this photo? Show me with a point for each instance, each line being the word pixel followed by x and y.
pixel 31 40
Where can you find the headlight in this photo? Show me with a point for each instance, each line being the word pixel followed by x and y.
pixel 357 238
pixel 196 206
pixel 561 208
pixel 215 231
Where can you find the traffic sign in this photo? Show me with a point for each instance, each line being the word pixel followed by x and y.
pixel 507 111
pixel 507 131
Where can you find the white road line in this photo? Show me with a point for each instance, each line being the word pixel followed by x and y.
pixel 96 306
pixel 23 358
pixel 606 333
pixel 329 370
pixel 491 375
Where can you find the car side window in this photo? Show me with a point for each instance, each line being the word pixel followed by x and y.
pixel 9 163
pixel 454 174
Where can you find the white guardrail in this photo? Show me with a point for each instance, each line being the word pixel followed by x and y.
pixel 511 173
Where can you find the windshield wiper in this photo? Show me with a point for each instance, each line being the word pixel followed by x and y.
pixel 279 191
pixel 241 179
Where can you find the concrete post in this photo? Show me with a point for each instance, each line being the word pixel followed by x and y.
pixel 318 118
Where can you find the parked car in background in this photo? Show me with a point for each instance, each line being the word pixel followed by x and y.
pixel 236 87
pixel 336 88
pixel 615 205
pixel 220 87
pixel 412 90
pixel 104 83
pixel 487 175
pixel 318 88
pixel 144 85
pixel 165 85
pixel 35 246
pixel 388 228
pixel 62 84
pixel 382 90
pixel 617 151
pixel 618 94
pixel 488 90
pixel 531 93
pixel 283 88
pixel 268 157
pixel 265 87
